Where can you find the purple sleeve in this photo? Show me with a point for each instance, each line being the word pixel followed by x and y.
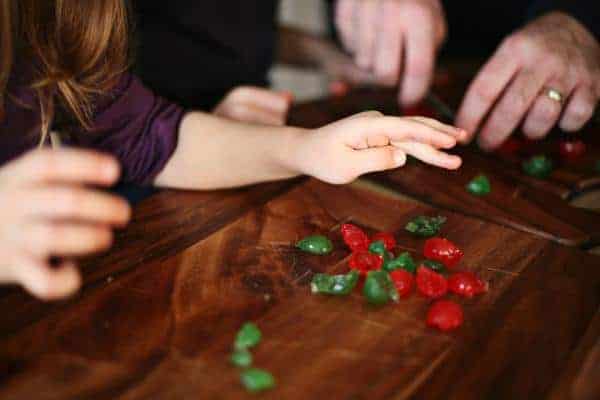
pixel 136 126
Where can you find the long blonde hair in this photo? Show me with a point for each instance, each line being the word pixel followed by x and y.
pixel 78 49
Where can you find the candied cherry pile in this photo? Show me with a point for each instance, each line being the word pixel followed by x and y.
pixel 391 275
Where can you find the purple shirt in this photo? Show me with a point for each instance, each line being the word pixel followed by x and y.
pixel 137 127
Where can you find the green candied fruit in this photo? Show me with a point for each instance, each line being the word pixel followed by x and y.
pixel 434 265
pixel 257 380
pixel 248 336
pixel 379 288
pixel 403 261
pixel 241 358
pixel 479 186
pixel 316 244
pixel 425 226
pixel 538 166
pixel 336 285
pixel 378 248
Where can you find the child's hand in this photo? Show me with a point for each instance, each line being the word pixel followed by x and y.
pixel 255 105
pixel 370 142
pixel 46 211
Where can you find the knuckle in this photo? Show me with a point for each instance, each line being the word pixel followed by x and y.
pixel 484 92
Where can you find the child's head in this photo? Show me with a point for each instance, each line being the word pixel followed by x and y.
pixel 76 49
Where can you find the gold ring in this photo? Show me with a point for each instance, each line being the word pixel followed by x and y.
pixel 554 95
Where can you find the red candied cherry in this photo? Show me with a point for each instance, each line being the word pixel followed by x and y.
pixel 430 283
pixel 442 250
pixel 403 280
pixel 445 315
pixel 355 238
pixel 387 238
pixel 364 261
pixel 467 284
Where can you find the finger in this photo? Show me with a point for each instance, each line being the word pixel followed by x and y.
pixel 544 113
pixel 65 239
pixel 483 92
pixel 511 109
pixel 579 109
pixel 458 133
pixel 76 204
pixel 45 282
pixel 398 129
pixel 378 159
pixel 344 18
pixel 367 31
pixel 66 165
pixel 419 63
pixel 388 54
pixel 429 155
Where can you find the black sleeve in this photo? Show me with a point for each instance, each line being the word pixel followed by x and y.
pixel 587 12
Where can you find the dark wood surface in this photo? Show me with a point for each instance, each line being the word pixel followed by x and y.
pixel 519 201
pixel 163 325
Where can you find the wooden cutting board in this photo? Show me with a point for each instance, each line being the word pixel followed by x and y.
pixel 164 328
pixel 519 201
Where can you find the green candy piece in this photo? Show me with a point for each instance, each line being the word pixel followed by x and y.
pixel 403 261
pixel 434 265
pixel 257 380
pixel 425 226
pixel 479 186
pixel 378 248
pixel 241 358
pixel 379 288
pixel 336 285
pixel 248 336
pixel 538 166
pixel 316 244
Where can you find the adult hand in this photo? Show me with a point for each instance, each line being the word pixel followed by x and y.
pixel 255 105
pixel 47 212
pixel 552 55
pixel 395 39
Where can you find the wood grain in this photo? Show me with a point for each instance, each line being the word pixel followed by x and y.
pixel 519 201
pixel 163 329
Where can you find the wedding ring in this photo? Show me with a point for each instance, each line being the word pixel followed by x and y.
pixel 554 95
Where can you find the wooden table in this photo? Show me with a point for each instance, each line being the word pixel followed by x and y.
pixel 158 314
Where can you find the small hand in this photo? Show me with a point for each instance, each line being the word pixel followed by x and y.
pixel 255 105
pixel 46 211
pixel 340 152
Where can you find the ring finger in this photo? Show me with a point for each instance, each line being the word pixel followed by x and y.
pixel 545 111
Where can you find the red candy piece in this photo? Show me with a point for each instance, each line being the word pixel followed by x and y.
pixel 355 238
pixel 467 284
pixel 445 315
pixel 442 250
pixel 572 150
pixel 387 238
pixel 421 110
pixel 430 283
pixel 363 262
pixel 403 280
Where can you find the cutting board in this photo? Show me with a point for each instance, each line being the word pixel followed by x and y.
pixel 164 329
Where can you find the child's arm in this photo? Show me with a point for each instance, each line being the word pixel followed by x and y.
pixel 213 153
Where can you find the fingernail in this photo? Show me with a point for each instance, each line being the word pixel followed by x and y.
pixel 399 157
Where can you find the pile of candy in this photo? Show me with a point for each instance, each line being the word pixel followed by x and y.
pixel 391 277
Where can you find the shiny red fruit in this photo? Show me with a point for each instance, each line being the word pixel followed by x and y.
pixel 430 283
pixel 445 315
pixel 387 238
pixel 511 147
pixel 444 251
pixel 403 280
pixel 363 262
pixel 572 150
pixel 355 238
pixel 467 284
